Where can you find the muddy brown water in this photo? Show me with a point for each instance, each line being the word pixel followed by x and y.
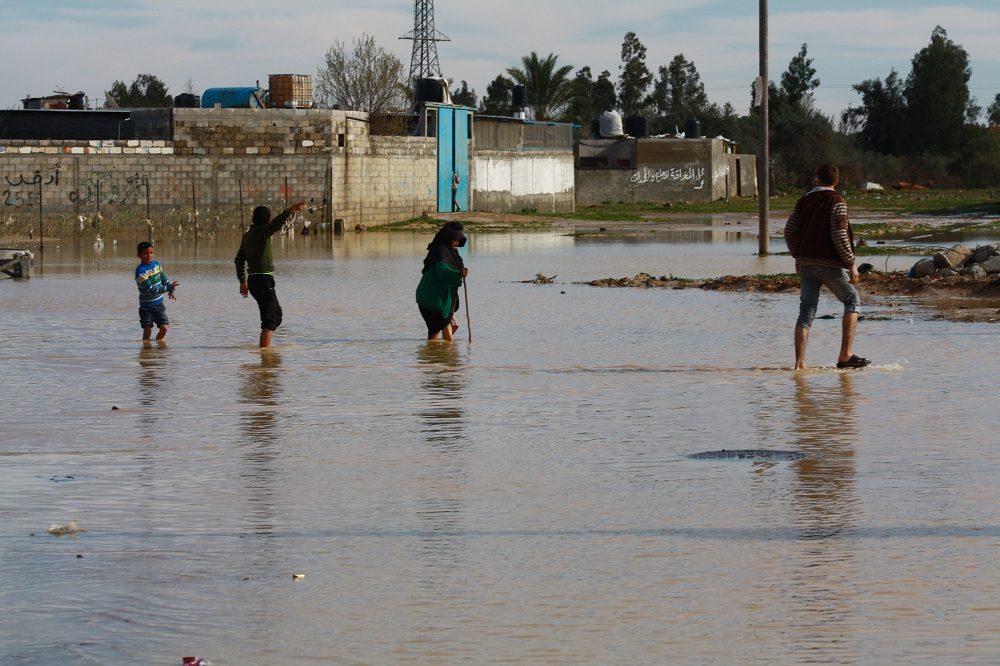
pixel 528 497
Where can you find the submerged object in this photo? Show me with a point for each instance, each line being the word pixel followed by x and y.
pixel 748 454
pixel 69 528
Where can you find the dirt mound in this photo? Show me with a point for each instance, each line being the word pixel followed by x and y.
pixel 874 282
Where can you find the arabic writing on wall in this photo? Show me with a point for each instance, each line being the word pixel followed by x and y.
pixel 27 191
pixel 101 187
pixel 646 175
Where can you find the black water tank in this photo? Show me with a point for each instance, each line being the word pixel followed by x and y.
pixel 595 128
pixel 187 101
pixel 429 90
pixel 520 97
pixel 636 125
pixel 692 129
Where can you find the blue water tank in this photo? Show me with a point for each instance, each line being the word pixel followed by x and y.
pixel 250 97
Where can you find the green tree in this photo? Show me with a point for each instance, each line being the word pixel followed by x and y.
pixel 365 78
pixel 799 80
pixel 547 85
pixel 725 121
pixel 938 103
pixel 580 107
pixel 603 93
pixel 678 95
pixel 146 92
pixel 589 98
pixel 801 137
pixel 635 77
pixel 984 159
pixel 497 100
pixel 879 119
pixel 993 112
pixel 464 96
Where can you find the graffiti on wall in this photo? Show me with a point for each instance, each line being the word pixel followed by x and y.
pixel 97 189
pixel 105 187
pixel 646 175
pixel 23 191
pixel 100 188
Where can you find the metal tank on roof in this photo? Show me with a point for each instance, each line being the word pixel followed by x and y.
pixel 249 97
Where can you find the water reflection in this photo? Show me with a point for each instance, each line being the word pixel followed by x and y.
pixel 441 383
pixel 441 503
pixel 261 390
pixel 153 380
pixel 825 429
pixel 825 564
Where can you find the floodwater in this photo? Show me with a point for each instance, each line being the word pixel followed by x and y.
pixel 526 497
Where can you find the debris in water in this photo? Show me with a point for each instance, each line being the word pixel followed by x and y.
pixel 748 454
pixel 70 528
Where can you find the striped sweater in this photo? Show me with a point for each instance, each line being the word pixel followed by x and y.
pixel 818 232
pixel 153 283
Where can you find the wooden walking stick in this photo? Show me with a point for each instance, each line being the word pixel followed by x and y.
pixel 468 319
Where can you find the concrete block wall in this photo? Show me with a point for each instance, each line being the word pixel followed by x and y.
pixel 255 131
pixel 74 183
pixel 400 178
pixel 512 181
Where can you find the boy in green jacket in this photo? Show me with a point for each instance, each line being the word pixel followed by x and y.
pixel 255 255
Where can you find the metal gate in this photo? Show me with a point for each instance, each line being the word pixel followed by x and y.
pixel 453 158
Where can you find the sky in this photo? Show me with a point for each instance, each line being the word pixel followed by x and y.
pixel 87 45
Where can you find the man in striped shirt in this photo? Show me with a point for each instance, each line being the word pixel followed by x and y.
pixel 819 236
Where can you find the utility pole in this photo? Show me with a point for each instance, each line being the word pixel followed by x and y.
pixel 764 153
pixel 424 61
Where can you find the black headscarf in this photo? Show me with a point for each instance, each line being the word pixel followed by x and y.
pixel 440 248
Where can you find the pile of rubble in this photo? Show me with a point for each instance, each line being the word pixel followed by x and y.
pixel 960 260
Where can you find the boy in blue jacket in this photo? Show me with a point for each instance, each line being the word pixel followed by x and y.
pixel 153 284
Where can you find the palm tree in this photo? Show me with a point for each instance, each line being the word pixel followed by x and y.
pixel 548 88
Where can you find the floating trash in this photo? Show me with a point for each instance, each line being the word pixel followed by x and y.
pixel 70 528
pixel 748 454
